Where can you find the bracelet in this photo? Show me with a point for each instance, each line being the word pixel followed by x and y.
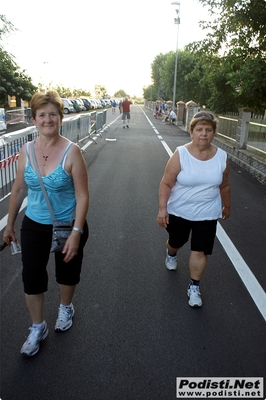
pixel 77 230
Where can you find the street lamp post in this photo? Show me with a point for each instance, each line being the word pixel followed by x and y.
pixel 177 21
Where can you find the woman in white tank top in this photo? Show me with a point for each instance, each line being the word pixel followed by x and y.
pixel 194 192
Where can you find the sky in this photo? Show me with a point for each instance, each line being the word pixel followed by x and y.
pixel 80 44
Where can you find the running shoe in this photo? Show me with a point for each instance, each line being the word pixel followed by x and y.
pixel 32 344
pixel 65 315
pixel 194 295
pixel 170 262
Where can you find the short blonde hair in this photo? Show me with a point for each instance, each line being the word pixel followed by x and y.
pixel 40 99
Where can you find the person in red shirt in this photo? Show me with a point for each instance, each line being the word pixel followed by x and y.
pixel 126 112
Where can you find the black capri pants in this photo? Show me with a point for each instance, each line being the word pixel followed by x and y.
pixel 202 233
pixel 36 243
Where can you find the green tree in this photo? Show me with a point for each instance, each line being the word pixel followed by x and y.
pixel 221 96
pixel 149 93
pixel 14 82
pixel 121 93
pixel 189 74
pixel 63 91
pixel 100 91
pixel 159 90
pixel 238 26
pixel 237 35
pixel 6 27
pixel 81 92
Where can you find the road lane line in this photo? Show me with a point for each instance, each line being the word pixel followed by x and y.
pixel 3 221
pixel 248 278
pixel 250 281
pixel 167 148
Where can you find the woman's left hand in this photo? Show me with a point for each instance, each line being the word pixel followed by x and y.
pixel 225 212
pixel 163 219
pixel 71 247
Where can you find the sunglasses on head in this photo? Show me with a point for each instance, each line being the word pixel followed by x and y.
pixel 204 114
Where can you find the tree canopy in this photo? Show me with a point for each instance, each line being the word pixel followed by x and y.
pixel 120 93
pixel 226 70
pixel 239 27
pixel 14 82
pixel 100 91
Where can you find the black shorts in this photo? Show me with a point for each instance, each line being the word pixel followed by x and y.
pixel 36 243
pixel 202 238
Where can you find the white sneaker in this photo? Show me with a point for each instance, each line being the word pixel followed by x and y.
pixel 193 292
pixel 32 344
pixel 65 315
pixel 170 262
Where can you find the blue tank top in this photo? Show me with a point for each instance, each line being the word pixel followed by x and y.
pixel 60 190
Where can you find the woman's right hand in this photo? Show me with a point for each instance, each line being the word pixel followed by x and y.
pixel 9 236
pixel 163 218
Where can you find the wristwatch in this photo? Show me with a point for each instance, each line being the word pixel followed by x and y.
pixel 77 229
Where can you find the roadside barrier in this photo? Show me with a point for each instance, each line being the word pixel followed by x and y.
pixel 76 129
pixel 15 116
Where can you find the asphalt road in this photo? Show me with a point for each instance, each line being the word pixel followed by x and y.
pixel 133 332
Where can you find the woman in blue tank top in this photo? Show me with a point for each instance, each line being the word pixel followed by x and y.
pixel 64 175
pixel 194 192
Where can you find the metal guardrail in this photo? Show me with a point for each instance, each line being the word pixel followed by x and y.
pixel 15 116
pixel 76 129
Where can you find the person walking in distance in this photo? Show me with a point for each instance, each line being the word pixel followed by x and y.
pixel 120 106
pixel 126 112
pixel 64 174
pixel 194 192
pixel 113 106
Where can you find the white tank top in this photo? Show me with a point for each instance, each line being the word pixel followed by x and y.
pixel 196 194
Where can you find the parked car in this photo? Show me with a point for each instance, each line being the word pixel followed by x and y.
pixel 99 104
pixel 93 104
pixel 68 106
pixel 96 103
pixel 103 103
pixel 75 105
pixel 78 104
pixel 107 102
pixel 81 104
pixel 86 103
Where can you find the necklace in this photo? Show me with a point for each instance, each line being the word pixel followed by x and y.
pixel 45 159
